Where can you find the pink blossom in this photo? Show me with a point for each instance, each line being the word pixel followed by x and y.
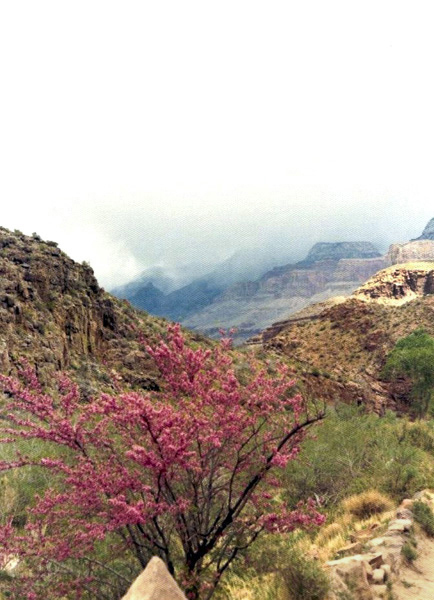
pixel 189 467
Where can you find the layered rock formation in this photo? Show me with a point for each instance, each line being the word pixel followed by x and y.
pixel 329 270
pixel 399 284
pixel 422 250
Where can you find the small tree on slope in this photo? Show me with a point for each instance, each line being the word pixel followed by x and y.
pixel 183 473
pixel 413 357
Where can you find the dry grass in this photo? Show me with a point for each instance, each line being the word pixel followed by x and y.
pixel 267 587
pixel 330 531
pixel 376 509
pixel 366 504
pixel 349 527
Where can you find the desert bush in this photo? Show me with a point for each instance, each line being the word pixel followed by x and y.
pixel 420 434
pixel 353 452
pixel 424 515
pixel 304 579
pixel 413 357
pixel 366 504
pixel 329 532
pixel 409 552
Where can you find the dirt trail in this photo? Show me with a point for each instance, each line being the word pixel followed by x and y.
pixel 417 581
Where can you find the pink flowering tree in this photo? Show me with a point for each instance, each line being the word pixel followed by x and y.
pixel 186 473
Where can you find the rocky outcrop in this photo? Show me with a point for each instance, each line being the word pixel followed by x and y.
pixel 54 314
pixel 339 348
pixel 155 583
pixel 398 284
pixel 410 252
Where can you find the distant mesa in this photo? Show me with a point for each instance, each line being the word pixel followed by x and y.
pixel 337 250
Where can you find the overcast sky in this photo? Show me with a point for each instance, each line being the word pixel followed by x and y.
pixel 157 132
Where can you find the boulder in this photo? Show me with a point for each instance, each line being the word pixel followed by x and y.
pixel 400 525
pixel 387 571
pixel 154 583
pixel 404 513
pixel 353 571
pixel 354 548
pixel 375 542
pixel 381 591
pixel 390 547
pixel 378 576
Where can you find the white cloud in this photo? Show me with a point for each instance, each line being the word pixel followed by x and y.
pixel 141 131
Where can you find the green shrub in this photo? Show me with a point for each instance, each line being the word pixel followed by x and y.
pixel 413 357
pixel 424 515
pixel 408 552
pixel 304 578
pixel 419 434
pixel 353 452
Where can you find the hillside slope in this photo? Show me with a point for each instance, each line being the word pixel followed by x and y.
pixel 54 314
pixel 340 348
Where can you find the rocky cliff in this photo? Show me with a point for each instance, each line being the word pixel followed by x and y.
pixel 53 313
pixel 411 251
pixel 399 284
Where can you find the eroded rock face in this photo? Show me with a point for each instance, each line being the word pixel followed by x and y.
pixel 54 314
pixel 411 251
pixel 155 583
pixel 397 285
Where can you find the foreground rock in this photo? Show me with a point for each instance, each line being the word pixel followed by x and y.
pixel 155 583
